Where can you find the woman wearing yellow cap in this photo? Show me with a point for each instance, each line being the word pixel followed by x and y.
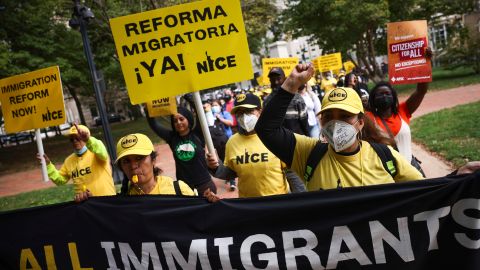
pixel 347 160
pixel 136 159
pixel 88 167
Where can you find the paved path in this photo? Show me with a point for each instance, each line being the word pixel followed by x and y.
pixel 433 166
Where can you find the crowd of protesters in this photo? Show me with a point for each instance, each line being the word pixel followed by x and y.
pixel 300 133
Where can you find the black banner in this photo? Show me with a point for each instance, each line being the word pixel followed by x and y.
pixel 432 224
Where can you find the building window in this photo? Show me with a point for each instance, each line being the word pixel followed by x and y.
pixel 438 36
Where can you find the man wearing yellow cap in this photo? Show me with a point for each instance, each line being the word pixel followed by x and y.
pixel 88 167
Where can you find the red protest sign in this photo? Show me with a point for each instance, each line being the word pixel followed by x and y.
pixel 407 43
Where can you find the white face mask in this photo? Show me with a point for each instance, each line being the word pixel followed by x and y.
pixel 339 134
pixel 247 121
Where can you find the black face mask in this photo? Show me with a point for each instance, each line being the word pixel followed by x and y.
pixel 383 102
pixel 227 98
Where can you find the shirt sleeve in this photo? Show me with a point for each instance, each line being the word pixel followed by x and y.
pixel 279 140
pixel 57 177
pixel 227 115
pixel 162 132
pixel 405 171
pixel 224 172
pixel 98 148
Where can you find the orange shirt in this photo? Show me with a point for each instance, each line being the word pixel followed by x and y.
pixel 394 122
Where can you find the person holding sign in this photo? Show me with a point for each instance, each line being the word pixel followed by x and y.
pixel 394 117
pixel 188 147
pixel 346 160
pixel 258 170
pixel 88 167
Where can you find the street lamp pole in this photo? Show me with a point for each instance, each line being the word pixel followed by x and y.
pixel 82 14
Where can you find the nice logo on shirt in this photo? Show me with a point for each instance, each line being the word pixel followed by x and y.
pixel 185 151
pixel 252 158
pixel 81 172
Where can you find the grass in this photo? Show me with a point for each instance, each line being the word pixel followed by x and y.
pixel 37 198
pixel 442 79
pixel 23 156
pixel 452 133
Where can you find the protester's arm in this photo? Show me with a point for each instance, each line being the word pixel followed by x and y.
pixel 218 170
pixel 97 147
pixel 470 167
pixel 162 132
pixel 280 141
pixel 226 118
pixel 225 173
pixel 57 177
pixel 416 98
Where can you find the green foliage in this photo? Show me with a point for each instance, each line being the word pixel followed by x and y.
pixel 359 25
pixel 452 133
pixel 37 198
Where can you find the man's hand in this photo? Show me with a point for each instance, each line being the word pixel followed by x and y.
pixel 212 161
pixel 82 196
pixel 82 134
pixel 210 196
pixel 470 167
pixel 47 160
pixel 299 76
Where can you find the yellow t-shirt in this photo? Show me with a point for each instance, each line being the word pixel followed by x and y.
pixel 361 169
pixel 259 170
pixel 328 85
pixel 88 170
pixel 164 186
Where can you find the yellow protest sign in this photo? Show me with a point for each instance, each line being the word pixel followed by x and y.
pixel 32 100
pixel 287 64
pixel 162 106
pixel 185 48
pixel 315 64
pixel 330 62
pixel 348 66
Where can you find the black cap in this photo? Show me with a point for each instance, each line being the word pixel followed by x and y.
pixel 249 101
pixel 277 71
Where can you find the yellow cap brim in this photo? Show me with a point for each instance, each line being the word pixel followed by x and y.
pixel 136 151
pixel 343 107
pixel 246 106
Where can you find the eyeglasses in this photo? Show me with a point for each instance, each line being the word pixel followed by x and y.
pixel 73 139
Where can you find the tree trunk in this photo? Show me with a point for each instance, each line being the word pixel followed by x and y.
pixel 73 92
pixel 371 49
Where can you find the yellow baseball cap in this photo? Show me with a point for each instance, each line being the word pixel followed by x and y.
pixel 73 130
pixel 134 144
pixel 342 98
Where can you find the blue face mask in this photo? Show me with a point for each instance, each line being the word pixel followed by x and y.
pixel 81 151
pixel 215 109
